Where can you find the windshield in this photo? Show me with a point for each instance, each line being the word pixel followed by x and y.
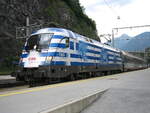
pixel 38 42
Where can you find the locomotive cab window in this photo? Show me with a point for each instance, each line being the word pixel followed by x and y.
pixel 32 42
pixel 44 41
pixel 38 42
pixel 67 42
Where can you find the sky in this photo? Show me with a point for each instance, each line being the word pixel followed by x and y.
pixel 110 14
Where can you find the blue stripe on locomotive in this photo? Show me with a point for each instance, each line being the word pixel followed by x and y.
pixel 81 49
pixel 58 37
pixel 58 45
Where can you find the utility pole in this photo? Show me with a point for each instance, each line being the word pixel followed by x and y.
pixel 113 41
pixel 28 25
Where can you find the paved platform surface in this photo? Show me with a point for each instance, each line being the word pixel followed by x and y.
pixel 131 95
pixel 35 100
pixel 6 77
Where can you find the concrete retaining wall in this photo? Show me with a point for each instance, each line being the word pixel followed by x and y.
pixel 76 106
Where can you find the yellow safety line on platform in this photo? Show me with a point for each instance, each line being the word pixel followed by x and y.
pixel 54 85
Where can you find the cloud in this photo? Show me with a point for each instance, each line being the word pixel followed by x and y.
pixel 88 3
pixel 93 3
pixel 131 12
pixel 118 2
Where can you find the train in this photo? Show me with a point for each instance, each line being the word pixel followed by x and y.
pixel 55 54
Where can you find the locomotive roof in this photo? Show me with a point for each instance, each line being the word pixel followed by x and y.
pixel 68 33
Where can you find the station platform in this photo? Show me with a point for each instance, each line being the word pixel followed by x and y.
pixel 6 77
pixel 40 99
pixel 130 95
pixel 6 81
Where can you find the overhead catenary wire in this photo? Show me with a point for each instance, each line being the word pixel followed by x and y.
pixel 114 12
pixel 110 7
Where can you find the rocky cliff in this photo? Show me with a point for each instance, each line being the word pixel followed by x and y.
pixel 61 13
pixel 64 13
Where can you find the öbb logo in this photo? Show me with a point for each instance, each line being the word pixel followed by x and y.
pixel 31 58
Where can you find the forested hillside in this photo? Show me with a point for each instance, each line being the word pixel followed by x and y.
pixel 61 13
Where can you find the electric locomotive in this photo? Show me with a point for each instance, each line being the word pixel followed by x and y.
pixel 56 53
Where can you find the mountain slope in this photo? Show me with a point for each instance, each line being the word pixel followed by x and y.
pixel 121 41
pixel 138 43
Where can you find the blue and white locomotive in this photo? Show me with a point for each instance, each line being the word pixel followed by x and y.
pixel 57 53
